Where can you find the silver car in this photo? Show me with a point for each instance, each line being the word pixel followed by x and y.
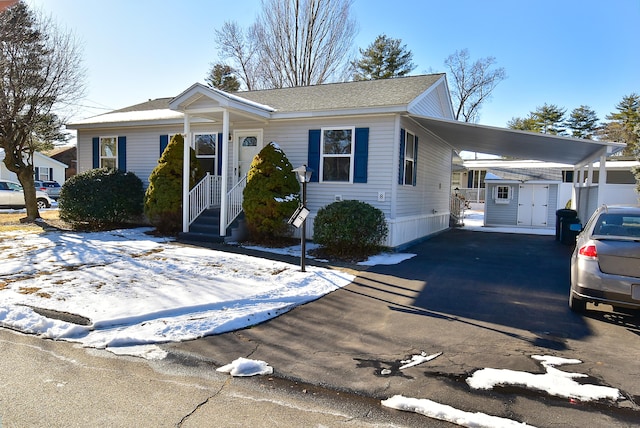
pixel 12 196
pixel 605 265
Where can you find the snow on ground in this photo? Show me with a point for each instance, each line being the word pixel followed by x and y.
pixel 443 412
pixel 136 289
pixel 553 382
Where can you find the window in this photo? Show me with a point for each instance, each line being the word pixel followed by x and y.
pixel 108 152
pixel 206 151
pixel 502 194
pixel 205 145
pixel 336 151
pixel 409 159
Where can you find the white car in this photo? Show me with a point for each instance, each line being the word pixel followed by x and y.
pixel 12 196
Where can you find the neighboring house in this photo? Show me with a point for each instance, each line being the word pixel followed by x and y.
pixel 386 142
pixel 45 169
pixel 66 155
pixel 528 193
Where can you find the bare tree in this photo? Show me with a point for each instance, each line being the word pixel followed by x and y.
pixel 472 83
pixel 292 43
pixel 40 74
pixel 241 47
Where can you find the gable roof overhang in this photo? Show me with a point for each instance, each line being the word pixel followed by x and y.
pixel 208 103
pixel 519 144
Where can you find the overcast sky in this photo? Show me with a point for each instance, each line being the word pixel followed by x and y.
pixel 568 52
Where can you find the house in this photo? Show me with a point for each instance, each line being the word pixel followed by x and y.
pixel 45 168
pixel 387 142
pixel 66 155
pixel 528 193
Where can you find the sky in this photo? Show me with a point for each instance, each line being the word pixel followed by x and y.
pixel 568 53
pixel 164 285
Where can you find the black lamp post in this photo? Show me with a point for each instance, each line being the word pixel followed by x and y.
pixel 304 176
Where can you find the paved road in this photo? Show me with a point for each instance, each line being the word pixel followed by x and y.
pixel 483 299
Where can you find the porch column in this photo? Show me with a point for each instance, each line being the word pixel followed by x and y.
pixel 602 177
pixel 186 157
pixel 225 173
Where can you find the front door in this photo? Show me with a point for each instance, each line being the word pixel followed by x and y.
pixel 249 144
pixel 533 201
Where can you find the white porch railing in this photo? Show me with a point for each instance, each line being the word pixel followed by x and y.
pixel 234 200
pixel 204 195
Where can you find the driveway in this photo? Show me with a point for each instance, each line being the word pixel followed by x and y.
pixel 485 300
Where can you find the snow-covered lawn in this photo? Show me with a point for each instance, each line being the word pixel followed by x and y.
pixel 136 289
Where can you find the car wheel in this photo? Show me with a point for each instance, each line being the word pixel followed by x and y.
pixel 576 304
pixel 42 204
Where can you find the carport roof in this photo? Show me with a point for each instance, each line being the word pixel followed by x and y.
pixel 517 144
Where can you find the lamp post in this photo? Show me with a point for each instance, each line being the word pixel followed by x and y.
pixel 304 176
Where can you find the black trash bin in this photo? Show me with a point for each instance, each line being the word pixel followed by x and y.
pixel 560 215
pixel 567 233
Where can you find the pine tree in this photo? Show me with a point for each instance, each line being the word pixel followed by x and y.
pixel 583 122
pixel 221 76
pixel 271 195
pixel 163 198
pixel 550 118
pixel 383 59
pixel 624 124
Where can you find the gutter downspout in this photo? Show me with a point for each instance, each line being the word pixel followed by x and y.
pixel 186 157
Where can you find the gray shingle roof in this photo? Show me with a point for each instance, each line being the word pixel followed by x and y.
pixel 331 96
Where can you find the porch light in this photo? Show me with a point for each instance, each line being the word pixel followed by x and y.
pixel 304 176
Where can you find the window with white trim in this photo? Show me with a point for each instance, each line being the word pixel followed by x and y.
pixel 206 151
pixel 502 194
pixel 336 154
pixel 409 158
pixel 108 152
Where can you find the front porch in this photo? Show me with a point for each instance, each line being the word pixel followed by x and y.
pixel 208 116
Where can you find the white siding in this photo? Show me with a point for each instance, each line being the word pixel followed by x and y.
pixel 419 210
pixel 435 103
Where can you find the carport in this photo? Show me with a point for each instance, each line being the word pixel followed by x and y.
pixel 581 154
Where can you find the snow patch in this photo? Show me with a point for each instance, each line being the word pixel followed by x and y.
pixel 246 367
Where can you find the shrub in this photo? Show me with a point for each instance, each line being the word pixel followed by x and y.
pixel 350 229
pixel 271 195
pixel 163 198
pixel 101 198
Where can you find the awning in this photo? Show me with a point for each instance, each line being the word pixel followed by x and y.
pixel 518 144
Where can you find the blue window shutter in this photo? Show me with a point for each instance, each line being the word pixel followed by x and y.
pixel 415 160
pixel 401 166
pixel 36 173
pixel 164 142
pixel 96 152
pixel 313 155
pixel 361 155
pixel 50 173
pixel 219 153
pixel 122 153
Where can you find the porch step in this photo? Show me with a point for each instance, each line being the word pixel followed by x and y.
pixel 206 229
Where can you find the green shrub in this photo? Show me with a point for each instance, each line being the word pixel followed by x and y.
pixel 271 195
pixel 163 198
pixel 350 229
pixel 101 198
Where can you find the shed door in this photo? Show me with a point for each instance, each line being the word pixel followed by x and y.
pixel 533 201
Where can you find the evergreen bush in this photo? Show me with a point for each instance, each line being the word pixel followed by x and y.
pixel 350 229
pixel 271 195
pixel 163 198
pixel 101 198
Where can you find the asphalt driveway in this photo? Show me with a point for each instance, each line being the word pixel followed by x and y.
pixel 483 299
